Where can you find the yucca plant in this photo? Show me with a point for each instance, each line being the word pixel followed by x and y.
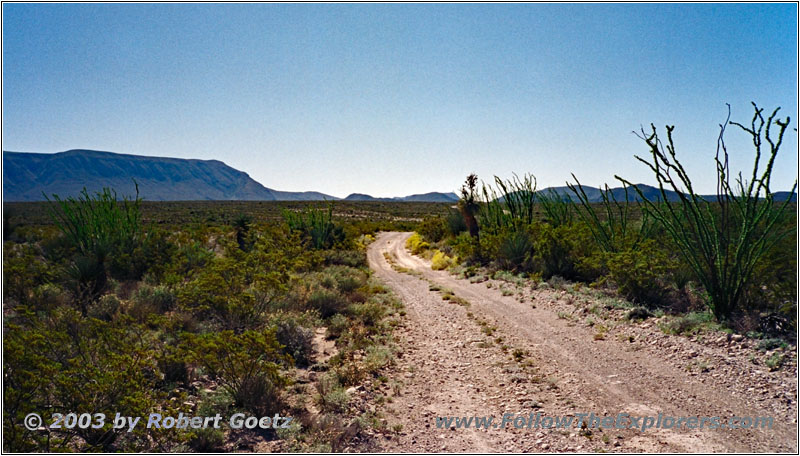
pixel 241 224
pixel 721 240
pixel 469 204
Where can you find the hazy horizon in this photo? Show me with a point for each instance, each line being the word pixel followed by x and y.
pixel 393 100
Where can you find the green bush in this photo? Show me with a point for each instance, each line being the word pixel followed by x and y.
pixel 554 250
pixel 207 440
pixel 463 246
pixel 377 357
pixel 455 224
pixel 106 308
pixel 158 298
pixel 296 339
pixel 691 323
pixel 515 251
pixel 332 395
pixel 352 258
pixel 369 313
pixel 327 302
pixel 640 273
pixel 23 271
pixel 248 365
pixel 433 229
pixel 337 325
pixel 68 362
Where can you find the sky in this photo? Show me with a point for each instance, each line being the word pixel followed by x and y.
pixel 398 99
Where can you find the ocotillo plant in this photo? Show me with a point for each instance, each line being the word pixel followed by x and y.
pixel 722 240
pixel 513 207
pixel 317 224
pixel 558 208
pixel 616 225
pixel 98 224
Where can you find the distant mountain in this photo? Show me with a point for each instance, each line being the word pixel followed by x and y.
pixel 363 197
pixel 782 196
pixel 594 195
pixel 302 196
pixel 432 197
pixel 27 175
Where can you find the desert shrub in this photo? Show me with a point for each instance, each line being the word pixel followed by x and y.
pixel 349 283
pixel 432 229
pixel 463 246
pixel 247 365
pixel 455 224
pixel 237 290
pixel 369 313
pixel 515 250
pixel 337 325
pixel 327 302
pixel 23 271
pixel 174 370
pixel 554 250
pixel 48 296
pixel 775 289
pixel 152 254
pixel 416 245
pixel 68 362
pixel 352 258
pixel 441 261
pixel 346 279
pixel 691 323
pixel 296 339
pixel 332 396
pixel 106 308
pixel 192 257
pixel 328 281
pixel 377 357
pixel 207 440
pixel 639 313
pixel 158 298
pixel 640 273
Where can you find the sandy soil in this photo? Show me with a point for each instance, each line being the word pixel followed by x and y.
pixel 515 352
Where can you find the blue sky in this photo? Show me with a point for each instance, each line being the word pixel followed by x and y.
pixel 398 99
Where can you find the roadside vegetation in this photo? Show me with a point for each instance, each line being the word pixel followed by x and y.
pixel 730 259
pixel 107 313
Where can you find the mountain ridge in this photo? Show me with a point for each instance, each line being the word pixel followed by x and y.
pixel 28 176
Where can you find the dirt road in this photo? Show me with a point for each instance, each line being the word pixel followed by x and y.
pixel 499 353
